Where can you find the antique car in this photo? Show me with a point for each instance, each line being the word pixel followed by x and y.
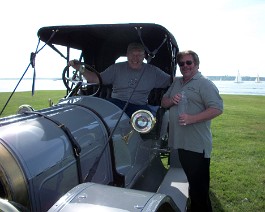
pixel 85 153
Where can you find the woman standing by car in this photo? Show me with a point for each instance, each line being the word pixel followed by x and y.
pixel 189 131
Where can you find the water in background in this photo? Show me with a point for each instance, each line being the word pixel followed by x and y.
pixel 8 85
pixel 245 88
pixel 225 87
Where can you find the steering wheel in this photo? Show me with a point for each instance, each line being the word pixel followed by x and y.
pixel 78 80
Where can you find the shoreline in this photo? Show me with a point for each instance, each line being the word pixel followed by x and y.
pixel 44 84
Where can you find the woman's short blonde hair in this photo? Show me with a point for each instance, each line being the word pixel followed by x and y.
pixel 189 52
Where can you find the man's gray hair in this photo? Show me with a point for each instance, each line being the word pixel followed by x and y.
pixel 135 46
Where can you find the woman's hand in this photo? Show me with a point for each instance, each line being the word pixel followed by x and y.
pixel 176 98
pixel 185 119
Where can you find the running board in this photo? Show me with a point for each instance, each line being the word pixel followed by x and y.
pixel 175 185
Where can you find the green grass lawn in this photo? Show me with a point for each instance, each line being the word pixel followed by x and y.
pixel 38 101
pixel 238 158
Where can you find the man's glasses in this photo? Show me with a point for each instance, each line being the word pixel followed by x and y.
pixel 188 62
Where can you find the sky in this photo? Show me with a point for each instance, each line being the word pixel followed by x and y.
pixel 228 35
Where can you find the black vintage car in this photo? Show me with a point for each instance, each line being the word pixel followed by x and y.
pixel 84 152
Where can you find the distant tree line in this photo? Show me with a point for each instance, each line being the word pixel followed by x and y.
pixel 232 78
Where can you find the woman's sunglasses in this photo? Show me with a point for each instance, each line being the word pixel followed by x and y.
pixel 188 62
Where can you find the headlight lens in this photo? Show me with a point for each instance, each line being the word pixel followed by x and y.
pixel 143 121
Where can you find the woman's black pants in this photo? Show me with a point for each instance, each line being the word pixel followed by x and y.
pixel 197 170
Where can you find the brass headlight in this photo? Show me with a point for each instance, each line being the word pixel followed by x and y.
pixel 143 121
pixel 24 108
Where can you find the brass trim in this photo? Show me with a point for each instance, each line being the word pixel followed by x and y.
pixel 12 178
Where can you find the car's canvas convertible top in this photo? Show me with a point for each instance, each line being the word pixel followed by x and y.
pixel 102 44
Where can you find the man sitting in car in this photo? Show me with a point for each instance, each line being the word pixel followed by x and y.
pixel 131 81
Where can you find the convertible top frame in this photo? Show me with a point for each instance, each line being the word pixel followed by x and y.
pixel 103 44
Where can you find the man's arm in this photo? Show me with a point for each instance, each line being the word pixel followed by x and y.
pixel 89 75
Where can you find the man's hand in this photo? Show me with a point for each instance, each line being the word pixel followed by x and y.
pixel 75 64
